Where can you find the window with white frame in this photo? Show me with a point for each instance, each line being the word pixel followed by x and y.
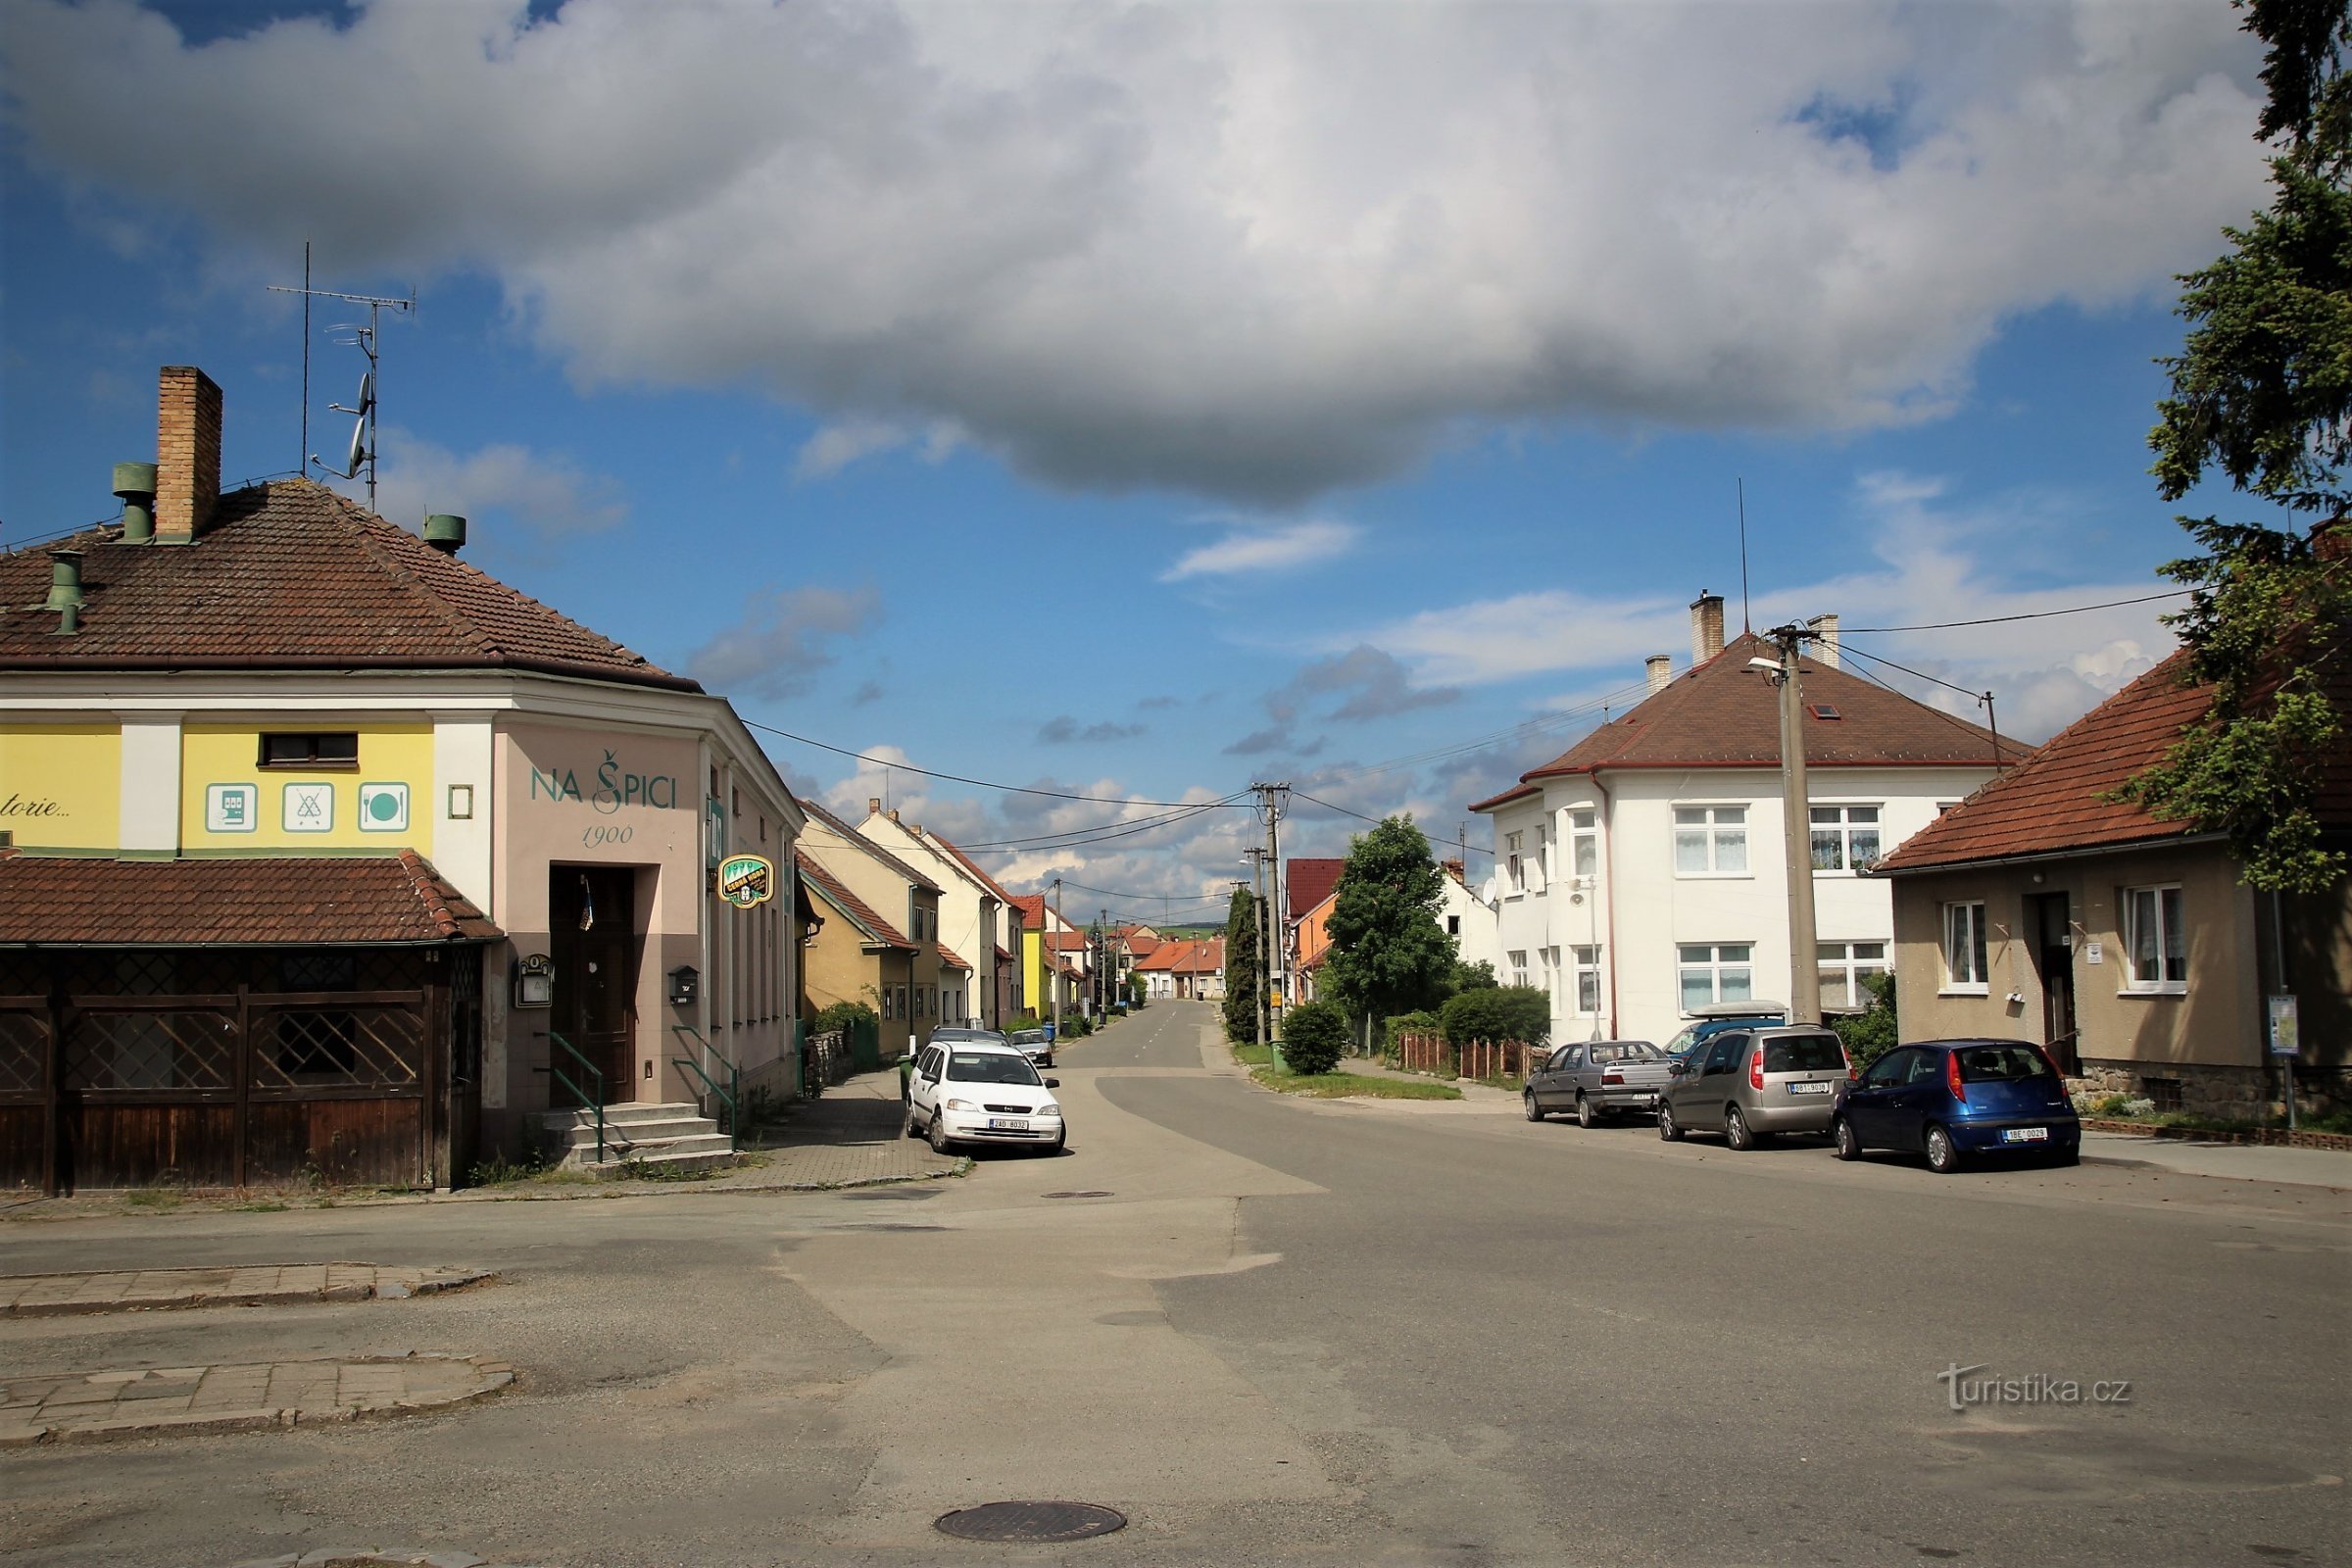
pixel 1518 966
pixel 1584 844
pixel 1845 838
pixel 2155 948
pixel 1551 976
pixel 1718 971
pixel 1843 967
pixel 1543 856
pixel 1588 979
pixel 1511 867
pixel 1710 841
pixel 1964 967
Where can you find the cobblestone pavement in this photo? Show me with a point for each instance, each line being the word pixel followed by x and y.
pixel 261 1285
pixel 156 1402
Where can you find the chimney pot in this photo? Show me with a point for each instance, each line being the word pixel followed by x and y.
pixel 187 453
pixel 1825 640
pixel 134 483
pixel 894 814
pixel 445 532
pixel 873 806
pixel 1661 670
pixel 1706 626
pixel 64 590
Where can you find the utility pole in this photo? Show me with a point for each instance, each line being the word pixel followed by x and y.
pixel 1103 985
pixel 1051 952
pixel 1271 797
pixel 1804 957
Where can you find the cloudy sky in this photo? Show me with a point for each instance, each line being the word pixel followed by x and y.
pixel 1135 400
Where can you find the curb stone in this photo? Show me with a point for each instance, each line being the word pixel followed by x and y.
pixel 32 1421
pixel 68 1294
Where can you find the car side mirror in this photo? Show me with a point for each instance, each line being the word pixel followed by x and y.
pixel 1678 1070
pixel 1052 1083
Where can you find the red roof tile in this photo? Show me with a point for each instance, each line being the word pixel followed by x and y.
pixel 947 957
pixel 2053 803
pixel 861 914
pixel 290 575
pixel 309 902
pixel 1309 882
pixel 1723 713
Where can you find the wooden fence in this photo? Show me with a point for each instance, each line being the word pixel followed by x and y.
pixel 1479 1058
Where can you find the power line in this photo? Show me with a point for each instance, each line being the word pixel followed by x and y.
pixel 1098 838
pixel 2031 614
pixel 2001 747
pixel 1081 834
pixel 1374 821
pixel 978 783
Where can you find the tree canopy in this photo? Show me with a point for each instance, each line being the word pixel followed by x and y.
pixel 1389 952
pixel 2262 394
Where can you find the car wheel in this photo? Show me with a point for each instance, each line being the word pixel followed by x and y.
pixel 1586 1113
pixel 940 1142
pixel 1735 1130
pixel 1844 1144
pixel 906 1125
pixel 1527 1104
pixel 1668 1128
pixel 1944 1155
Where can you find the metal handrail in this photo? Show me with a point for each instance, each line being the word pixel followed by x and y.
pixel 732 1093
pixel 594 1102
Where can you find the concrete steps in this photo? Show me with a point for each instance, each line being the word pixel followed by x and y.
pixel 669 1137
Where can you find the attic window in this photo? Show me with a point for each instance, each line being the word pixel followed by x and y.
pixel 1823 710
pixel 331 748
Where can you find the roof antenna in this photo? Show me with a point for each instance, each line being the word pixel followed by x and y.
pixel 362 452
pixel 1746 627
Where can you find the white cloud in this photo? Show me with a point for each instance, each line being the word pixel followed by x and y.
pixel 547 493
pixel 835 446
pixel 1254 251
pixel 1938 563
pixel 1278 549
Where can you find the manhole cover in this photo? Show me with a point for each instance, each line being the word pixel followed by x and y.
pixel 1075 1194
pixel 1030 1522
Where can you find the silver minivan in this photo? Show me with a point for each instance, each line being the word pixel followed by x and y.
pixel 1748 1084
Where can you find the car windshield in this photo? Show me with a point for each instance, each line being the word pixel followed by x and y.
pixel 2000 1064
pixel 1625 1050
pixel 1804 1054
pixel 1683 1042
pixel 990 1067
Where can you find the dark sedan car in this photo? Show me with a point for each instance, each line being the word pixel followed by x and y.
pixel 1960 1099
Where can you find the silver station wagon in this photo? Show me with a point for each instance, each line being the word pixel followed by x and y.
pixel 1748 1084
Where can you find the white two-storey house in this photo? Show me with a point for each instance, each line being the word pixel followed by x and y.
pixel 1641 874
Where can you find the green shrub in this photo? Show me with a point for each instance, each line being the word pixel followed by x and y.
pixel 1497 1013
pixel 1314 1035
pixel 840 1016
pixel 1870 1035
pixel 1425 1022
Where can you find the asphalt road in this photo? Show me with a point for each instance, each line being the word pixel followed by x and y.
pixel 1274 1332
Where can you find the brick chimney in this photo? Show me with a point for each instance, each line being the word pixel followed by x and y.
pixel 873 806
pixel 187 454
pixel 1825 640
pixel 1706 626
pixel 1661 670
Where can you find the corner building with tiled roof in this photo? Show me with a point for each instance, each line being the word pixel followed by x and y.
pixel 328 852
pixel 1641 873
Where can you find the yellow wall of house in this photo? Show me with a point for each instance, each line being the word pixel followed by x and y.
pixel 222 786
pixel 61 785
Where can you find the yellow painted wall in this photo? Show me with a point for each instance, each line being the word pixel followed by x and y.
pixel 226 755
pixel 61 785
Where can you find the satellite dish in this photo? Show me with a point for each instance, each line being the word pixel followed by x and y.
pixel 359 446
pixel 367 392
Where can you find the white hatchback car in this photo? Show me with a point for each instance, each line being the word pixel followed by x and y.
pixel 976 1092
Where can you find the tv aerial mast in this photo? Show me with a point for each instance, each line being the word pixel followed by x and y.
pixel 361 452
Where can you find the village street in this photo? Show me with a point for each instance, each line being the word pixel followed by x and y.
pixel 1267 1330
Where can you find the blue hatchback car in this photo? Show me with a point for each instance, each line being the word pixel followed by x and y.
pixel 1960 1099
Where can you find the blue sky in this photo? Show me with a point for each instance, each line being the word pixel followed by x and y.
pixel 1136 402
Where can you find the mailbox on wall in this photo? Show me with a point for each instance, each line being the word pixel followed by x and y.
pixel 685 985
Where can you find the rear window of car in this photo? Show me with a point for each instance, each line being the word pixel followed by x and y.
pixel 1804 1054
pixel 2000 1064
pixel 1625 1050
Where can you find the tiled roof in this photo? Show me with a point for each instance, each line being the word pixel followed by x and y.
pixel 1066 941
pixel 947 957
pixel 1723 713
pixel 1032 909
pixel 256 901
pixel 290 575
pixel 857 840
pixel 861 913
pixel 2052 801
pixel 1310 882
pixel 1208 957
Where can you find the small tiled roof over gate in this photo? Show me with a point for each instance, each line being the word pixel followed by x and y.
pixel 344 900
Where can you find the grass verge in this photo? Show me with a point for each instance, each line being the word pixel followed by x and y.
pixel 1341 1085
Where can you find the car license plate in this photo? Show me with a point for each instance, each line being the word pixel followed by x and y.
pixel 1008 1124
pixel 1808 1088
pixel 2026 1135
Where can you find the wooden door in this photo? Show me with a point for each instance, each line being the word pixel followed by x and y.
pixel 593 945
pixel 2051 924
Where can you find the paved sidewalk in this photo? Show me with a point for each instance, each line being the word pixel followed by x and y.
pixel 159 1401
pixel 265 1285
pixel 2245 1162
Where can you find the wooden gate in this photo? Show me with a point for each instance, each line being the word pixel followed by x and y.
pixel 223 1067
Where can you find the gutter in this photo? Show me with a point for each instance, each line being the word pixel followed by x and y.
pixel 2046 856
pixel 576 669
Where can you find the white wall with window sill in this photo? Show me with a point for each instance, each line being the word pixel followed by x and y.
pixel 2169 988
pixel 1714 877
pixel 1965 990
